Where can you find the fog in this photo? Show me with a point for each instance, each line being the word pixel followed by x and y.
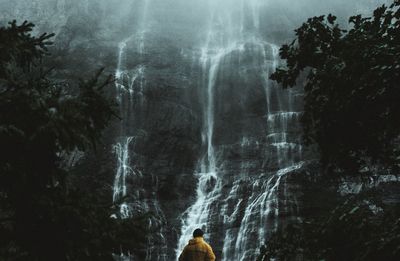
pixel 193 88
pixel 116 18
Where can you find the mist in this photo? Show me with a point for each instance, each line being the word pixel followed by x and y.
pixel 115 19
pixel 203 138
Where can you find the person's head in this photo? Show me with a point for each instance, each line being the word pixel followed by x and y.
pixel 198 233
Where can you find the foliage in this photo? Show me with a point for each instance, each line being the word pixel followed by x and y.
pixel 42 119
pixel 360 228
pixel 351 87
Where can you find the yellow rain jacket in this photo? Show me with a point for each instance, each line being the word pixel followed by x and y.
pixel 197 250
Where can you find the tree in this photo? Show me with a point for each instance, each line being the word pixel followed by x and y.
pixel 361 227
pixel 351 87
pixel 42 119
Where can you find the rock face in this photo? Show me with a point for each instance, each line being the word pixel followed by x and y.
pixel 206 139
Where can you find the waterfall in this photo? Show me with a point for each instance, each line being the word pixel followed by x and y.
pixel 197 106
pixel 209 182
pixel 256 211
pixel 121 148
pixel 130 84
pixel 244 219
pixel 261 212
pixel 123 169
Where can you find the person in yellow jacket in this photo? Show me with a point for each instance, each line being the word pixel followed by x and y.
pixel 197 249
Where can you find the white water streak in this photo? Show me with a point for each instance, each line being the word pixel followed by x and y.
pixel 226 36
pixel 123 171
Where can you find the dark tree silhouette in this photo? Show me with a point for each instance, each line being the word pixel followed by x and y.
pixel 352 87
pixel 40 120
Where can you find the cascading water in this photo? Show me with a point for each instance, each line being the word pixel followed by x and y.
pixel 181 64
pixel 130 84
pixel 123 85
pixel 209 183
pixel 123 170
pixel 250 211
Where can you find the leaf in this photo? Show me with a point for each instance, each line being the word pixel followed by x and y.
pixel 354 210
pixel 331 19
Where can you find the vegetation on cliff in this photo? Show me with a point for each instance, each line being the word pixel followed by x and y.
pixel 351 87
pixel 361 227
pixel 351 83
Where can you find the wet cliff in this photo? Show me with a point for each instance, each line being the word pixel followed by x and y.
pixel 205 139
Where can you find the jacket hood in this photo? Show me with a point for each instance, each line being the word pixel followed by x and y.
pixel 196 240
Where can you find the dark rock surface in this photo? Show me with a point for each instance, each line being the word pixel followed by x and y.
pixel 165 114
